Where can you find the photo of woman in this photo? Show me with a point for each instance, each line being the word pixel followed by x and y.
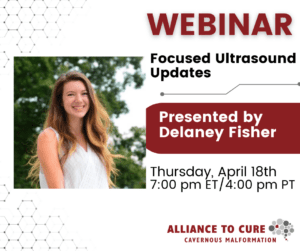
pixel 72 148
pixel 65 133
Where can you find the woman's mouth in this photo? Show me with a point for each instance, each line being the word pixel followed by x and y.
pixel 78 108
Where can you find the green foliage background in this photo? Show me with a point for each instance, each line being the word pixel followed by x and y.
pixel 34 78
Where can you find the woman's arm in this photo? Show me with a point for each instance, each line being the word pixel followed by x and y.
pixel 48 156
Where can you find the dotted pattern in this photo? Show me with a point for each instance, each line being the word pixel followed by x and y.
pixel 27 17
pixel 282 227
pixel 3 59
pixel 29 233
pixel 3 193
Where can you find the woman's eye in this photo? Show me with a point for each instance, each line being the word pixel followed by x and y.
pixel 70 94
pixel 85 93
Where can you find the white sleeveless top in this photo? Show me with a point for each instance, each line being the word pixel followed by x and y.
pixel 81 170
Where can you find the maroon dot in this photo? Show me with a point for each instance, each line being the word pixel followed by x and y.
pixel 276 226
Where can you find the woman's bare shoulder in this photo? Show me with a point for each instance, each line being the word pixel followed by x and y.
pixel 47 137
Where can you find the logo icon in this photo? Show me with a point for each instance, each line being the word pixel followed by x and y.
pixel 282 227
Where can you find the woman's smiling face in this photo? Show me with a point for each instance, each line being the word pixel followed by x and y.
pixel 76 100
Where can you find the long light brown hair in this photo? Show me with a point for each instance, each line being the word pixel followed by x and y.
pixel 96 126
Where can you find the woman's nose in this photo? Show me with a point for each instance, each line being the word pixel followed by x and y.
pixel 78 98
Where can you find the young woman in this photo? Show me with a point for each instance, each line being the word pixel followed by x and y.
pixel 72 150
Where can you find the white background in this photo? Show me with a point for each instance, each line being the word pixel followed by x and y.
pixel 139 219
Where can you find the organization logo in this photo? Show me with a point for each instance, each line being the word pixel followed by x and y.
pixel 282 227
pixel 233 233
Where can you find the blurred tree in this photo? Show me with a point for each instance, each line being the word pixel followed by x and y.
pixel 34 78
